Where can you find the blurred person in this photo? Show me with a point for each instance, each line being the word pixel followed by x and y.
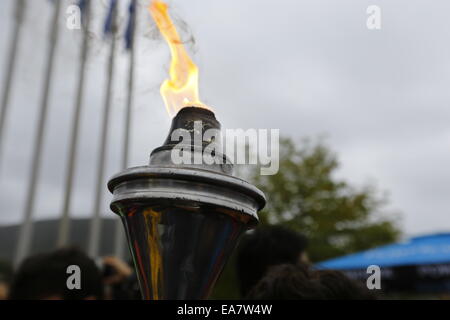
pixel 340 287
pixel 265 247
pixel 4 289
pixel 298 282
pixel 5 279
pixel 44 277
pixel 287 282
pixel 119 279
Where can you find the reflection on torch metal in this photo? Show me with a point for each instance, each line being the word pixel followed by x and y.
pixel 191 244
pixel 152 219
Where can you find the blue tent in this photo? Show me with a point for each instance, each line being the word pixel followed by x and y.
pixel 419 265
pixel 424 250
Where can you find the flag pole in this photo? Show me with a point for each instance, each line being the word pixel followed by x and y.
pixel 64 223
pixel 19 14
pixel 119 247
pixel 95 226
pixel 26 229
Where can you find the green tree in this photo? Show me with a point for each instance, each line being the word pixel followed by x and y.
pixel 306 196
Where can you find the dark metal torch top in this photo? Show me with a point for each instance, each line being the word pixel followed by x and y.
pixel 185 120
pixel 210 184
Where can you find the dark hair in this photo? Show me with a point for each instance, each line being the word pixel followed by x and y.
pixel 298 282
pixel 287 282
pixel 340 287
pixel 263 248
pixel 45 275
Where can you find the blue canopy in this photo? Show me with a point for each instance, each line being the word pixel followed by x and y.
pixel 429 249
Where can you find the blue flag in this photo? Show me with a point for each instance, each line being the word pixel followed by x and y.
pixel 108 28
pixel 129 33
pixel 82 5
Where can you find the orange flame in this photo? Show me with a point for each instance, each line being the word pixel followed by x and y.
pixel 181 90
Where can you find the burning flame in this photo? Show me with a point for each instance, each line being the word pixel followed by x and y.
pixel 181 90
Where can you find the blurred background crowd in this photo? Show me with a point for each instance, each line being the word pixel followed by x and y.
pixel 271 264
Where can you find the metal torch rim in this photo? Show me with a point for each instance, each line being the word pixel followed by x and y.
pixel 189 174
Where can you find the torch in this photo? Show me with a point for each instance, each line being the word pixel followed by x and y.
pixel 183 219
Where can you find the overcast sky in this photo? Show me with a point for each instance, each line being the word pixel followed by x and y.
pixel 307 67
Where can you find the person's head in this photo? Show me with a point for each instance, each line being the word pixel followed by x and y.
pixel 298 282
pixel 5 279
pixel 287 282
pixel 45 276
pixel 266 247
pixel 340 287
